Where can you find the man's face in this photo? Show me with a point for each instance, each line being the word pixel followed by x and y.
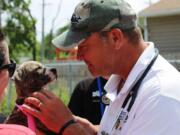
pixel 97 54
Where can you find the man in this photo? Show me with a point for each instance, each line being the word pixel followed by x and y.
pixel 110 42
pixel 88 99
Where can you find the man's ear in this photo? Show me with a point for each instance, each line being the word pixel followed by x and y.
pixel 116 36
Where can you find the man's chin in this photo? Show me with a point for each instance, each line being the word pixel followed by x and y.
pixel 94 73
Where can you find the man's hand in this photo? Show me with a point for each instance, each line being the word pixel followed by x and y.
pixel 48 108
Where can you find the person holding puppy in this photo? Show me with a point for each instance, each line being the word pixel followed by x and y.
pixel 110 43
pixel 7 68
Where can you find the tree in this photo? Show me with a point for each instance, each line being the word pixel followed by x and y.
pixel 49 48
pixel 20 28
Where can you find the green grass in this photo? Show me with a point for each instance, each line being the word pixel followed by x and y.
pixel 7 104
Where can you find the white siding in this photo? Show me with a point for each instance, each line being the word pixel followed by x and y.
pixel 165 32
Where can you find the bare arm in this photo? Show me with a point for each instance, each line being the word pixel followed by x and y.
pixel 92 129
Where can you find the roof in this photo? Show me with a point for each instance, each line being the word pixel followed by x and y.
pixel 162 8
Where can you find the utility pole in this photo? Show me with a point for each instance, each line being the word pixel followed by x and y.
pixel 44 4
pixel 0 19
pixel 56 16
pixel 0 14
pixel 43 24
pixel 150 2
pixel 54 19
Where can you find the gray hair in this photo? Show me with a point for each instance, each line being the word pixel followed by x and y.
pixel 133 35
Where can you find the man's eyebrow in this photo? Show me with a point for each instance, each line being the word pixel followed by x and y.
pixel 85 40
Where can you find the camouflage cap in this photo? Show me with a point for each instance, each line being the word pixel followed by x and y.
pixel 94 16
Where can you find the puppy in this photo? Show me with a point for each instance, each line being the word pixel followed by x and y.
pixel 29 77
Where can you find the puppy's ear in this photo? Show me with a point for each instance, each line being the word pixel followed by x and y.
pixel 19 75
pixel 15 74
pixel 12 78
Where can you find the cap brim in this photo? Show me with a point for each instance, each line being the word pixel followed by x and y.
pixel 69 39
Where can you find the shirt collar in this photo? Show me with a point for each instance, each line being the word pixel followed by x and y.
pixel 111 86
pixel 141 64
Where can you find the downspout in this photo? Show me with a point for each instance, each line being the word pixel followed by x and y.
pixel 146 35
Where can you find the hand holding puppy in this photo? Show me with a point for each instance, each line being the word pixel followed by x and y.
pixel 48 108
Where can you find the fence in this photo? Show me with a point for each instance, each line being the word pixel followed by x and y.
pixel 69 74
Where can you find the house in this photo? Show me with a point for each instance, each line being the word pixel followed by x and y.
pixel 162 26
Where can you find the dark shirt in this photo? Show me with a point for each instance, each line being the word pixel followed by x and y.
pixel 85 100
pixel 2 118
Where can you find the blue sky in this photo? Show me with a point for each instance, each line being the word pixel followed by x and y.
pixel 65 12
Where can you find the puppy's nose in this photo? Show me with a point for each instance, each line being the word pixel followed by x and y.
pixel 54 71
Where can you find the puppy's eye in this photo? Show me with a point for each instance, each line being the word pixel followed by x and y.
pixel 38 68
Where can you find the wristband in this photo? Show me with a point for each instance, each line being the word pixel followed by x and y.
pixel 67 124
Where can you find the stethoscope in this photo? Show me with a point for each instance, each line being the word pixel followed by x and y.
pixel 134 90
pixel 130 98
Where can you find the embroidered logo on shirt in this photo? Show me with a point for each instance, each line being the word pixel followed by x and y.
pixel 95 94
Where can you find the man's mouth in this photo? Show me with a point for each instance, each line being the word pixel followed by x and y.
pixel 90 66
pixel 87 63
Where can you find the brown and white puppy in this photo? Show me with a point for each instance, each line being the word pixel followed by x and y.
pixel 29 77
